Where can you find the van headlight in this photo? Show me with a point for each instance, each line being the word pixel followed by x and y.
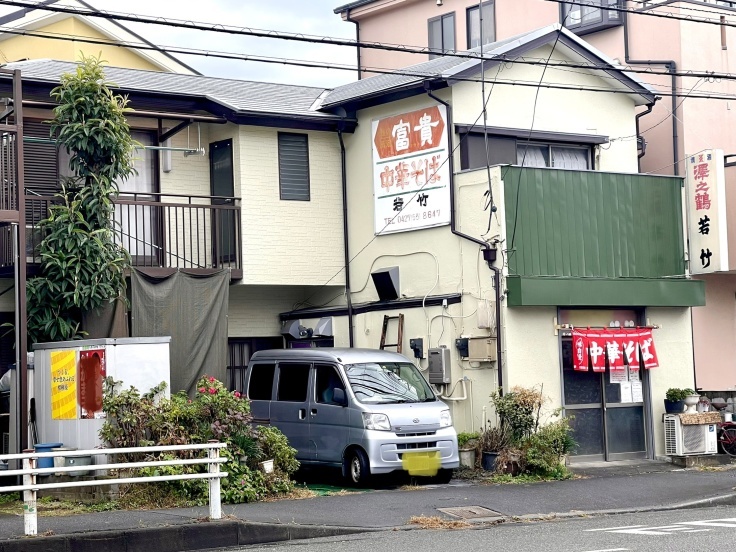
pixel 445 418
pixel 379 422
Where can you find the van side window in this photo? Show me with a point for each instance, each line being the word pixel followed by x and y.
pixel 260 385
pixel 328 380
pixel 293 382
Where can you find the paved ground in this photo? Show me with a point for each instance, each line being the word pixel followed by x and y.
pixel 626 486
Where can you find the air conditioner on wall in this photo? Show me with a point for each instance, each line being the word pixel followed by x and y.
pixel 682 440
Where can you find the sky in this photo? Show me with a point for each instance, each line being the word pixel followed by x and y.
pixel 312 17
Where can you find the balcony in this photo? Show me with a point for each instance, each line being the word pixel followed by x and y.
pixel 162 233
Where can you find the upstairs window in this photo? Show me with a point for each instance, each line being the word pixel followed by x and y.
pixel 595 17
pixel 441 35
pixel 474 28
pixel 294 166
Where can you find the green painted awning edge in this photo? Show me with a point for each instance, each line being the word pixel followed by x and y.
pixel 525 291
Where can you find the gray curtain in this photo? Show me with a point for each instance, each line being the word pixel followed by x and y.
pixel 193 311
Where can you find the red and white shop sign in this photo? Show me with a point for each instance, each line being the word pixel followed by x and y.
pixel 579 351
pixel 622 347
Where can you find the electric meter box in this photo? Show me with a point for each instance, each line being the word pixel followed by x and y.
pixel 439 365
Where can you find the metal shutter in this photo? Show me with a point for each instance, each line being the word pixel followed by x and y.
pixel 294 166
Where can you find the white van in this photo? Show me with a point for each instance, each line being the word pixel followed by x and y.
pixel 366 411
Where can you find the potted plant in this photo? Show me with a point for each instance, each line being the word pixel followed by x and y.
pixel 492 442
pixel 674 401
pixel 467 444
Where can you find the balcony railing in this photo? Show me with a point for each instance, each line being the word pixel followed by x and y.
pixel 160 231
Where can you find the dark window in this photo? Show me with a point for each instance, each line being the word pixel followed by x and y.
pixel 240 349
pixel 40 160
pixel 504 150
pixel 328 380
pixel 441 34
pixel 293 382
pixel 294 166
pixel 260 386
pixel 474 28
pixel 595 17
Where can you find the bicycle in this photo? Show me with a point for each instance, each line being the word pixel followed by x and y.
pixel 727 437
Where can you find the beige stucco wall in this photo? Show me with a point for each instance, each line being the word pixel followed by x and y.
pixel 28 47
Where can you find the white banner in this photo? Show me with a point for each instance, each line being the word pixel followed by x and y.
pixel 706 212
pixel 411 172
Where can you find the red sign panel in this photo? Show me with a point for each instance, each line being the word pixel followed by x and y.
pixel 579 351
pixel 621 348
pixel 409 132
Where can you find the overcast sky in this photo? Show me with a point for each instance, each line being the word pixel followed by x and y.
pixel 314 17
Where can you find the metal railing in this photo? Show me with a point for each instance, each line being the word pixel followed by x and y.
pixel 30 473
pixel 158 230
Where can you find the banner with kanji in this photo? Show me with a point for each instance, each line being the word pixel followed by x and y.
pixel 617 348
pixel 411 172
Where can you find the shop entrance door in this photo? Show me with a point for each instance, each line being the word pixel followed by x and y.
pixel 608 409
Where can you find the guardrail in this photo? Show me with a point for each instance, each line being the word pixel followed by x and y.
pixel 30 472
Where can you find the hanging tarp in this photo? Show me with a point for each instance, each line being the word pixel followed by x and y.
pixel 618 347
pixel 193 311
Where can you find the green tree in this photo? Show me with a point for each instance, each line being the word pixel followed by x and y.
pixel 82 268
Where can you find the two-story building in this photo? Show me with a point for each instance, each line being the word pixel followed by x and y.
pixel 671 39
pixel 493 259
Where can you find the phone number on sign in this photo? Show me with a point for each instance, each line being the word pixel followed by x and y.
pixel 412 217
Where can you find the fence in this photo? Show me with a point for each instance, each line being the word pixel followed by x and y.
pixel 30 472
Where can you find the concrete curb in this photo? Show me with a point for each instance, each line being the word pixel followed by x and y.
pixel 192 536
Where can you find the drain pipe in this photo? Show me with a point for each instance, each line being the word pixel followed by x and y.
pixel 643 141
pixel 346 251
pixel 671 66
pixel 357 38
pixel 489 253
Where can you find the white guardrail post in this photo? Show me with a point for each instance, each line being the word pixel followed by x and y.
pixel 214 486
pixel 30 515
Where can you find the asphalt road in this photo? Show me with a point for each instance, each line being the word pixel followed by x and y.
pixel 673 531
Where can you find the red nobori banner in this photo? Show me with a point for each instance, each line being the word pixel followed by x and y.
pixel 409 133
pixel 620 347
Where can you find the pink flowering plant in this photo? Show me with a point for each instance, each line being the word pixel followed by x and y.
pixel 213 412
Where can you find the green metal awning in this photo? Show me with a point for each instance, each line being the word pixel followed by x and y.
pixel 524 291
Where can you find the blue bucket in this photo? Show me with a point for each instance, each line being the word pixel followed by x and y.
pixel 46 447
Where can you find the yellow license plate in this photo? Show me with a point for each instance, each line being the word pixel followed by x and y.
pixel 421 463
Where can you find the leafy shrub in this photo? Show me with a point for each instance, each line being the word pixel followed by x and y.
pixel 135 420
pixel 518 410
pixel 675 394
pixel 543 450
pixel 464 439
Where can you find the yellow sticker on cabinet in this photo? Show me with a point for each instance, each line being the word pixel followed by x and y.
pixel 64 385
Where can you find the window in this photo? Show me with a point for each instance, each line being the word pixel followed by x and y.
pixel 294 166
pixel 260 386
pixel 441 34
pixel 240 349
pixel 293 382
pixel 561 151
pixel 327 381
pixel 588 19
pixel 489 26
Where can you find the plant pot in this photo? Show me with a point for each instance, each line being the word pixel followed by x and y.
pixel 467 458
pixel 488 460
pixel 691 401
pixel 267 466
pixel 674 407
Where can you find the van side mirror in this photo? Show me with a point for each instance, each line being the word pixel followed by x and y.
pixel 338 397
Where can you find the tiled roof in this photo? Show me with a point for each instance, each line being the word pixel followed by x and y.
pixel 238 95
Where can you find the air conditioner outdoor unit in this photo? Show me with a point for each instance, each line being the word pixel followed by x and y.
pixel 682 440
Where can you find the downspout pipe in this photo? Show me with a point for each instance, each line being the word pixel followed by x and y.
pixel 643 143
pixel 671 66
pixel 346 250
pixel 357 39
pixel 489 253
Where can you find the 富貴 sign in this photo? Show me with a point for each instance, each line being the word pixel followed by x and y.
pixel 411 172
pixel 706 212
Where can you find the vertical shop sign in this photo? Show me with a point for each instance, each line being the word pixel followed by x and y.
pixel 579 351
pixel 706 212
pixel 63 385
pixel 411 172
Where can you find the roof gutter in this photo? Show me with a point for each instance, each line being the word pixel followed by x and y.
pixel 489 253
pixel 671 66
pixel 357 39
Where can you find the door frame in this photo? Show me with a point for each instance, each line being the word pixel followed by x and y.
pixel 219 256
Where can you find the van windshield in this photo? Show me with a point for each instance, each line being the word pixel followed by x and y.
pixel 388 382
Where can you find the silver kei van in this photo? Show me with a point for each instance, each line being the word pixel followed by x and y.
pixel 366 411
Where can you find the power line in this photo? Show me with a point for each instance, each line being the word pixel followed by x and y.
pixel 323 65
pixel 333 41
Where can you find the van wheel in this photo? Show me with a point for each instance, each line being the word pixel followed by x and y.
pixel 443 476
pixel 358 470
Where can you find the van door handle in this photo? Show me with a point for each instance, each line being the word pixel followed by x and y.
pixel 313 412
pixel 302 413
